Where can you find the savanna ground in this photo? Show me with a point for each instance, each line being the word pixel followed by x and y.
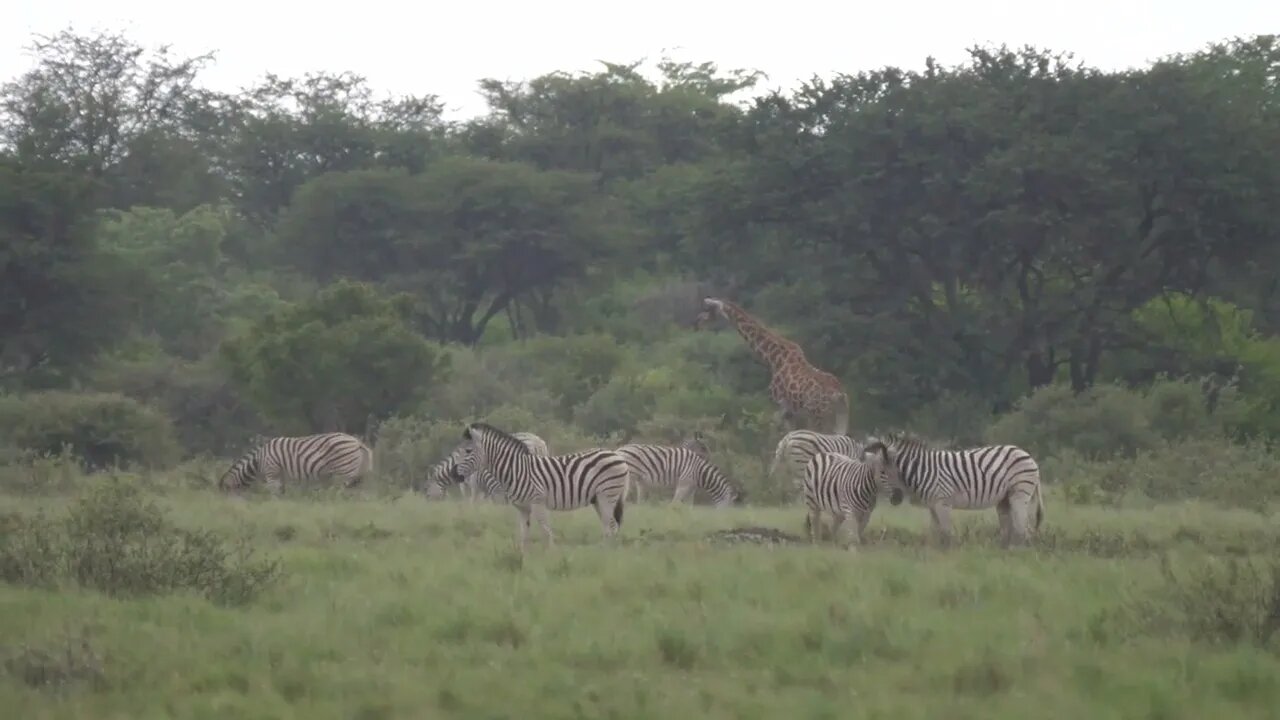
pixel 389 607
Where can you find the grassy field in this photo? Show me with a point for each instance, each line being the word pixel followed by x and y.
pixel 415 609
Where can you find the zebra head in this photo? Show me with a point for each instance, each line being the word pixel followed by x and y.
pixel 483 445
pixel 880 456
pixel 444 475
pixel 241 473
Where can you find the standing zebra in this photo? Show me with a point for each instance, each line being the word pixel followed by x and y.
pixel 665 466
pixel 305 458
pixel 845 486
pixel 1003 476
pixel 560 482
pixel 797 447
pixel 443 476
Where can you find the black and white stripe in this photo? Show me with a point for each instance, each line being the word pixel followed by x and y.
pixel 667 466
pixel 797 447
pixel 534 484
pixel 480 482
pixel 306 458
pixel 1002 476
pixel 844 486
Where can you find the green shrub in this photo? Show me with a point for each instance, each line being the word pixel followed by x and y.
pixel 115 541
pixel 1222 601
pixel 102 429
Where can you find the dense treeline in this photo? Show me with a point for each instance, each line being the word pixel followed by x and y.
pixel 184 268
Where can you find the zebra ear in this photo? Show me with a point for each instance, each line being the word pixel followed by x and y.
pixel 466 433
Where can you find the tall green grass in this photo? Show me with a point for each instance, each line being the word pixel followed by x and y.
pixel 391 607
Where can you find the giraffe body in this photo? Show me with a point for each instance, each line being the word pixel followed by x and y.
pixel 807 398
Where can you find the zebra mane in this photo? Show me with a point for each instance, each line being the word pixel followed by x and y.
pixel 504 437
pixel 905 439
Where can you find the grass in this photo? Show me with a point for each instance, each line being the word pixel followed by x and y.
pixel 409 608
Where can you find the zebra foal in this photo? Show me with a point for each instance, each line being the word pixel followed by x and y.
pixel 534 484
pixel 305 458
pixel 1002 476
pixel 683 467
pixel 844 486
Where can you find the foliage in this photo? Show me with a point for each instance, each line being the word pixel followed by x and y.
pixel 1108 420
pixel 656 625
pixel 1015 247
pixel 334 363
pixel 101 429
pixel 116 541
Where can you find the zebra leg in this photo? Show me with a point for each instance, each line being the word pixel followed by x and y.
pixel 1019 517
pixel 941 515
pixel 608 508
pixel 522 525
pixel 837 521
pixel 1004 511
pixel 274 482
pixel 813 523
pixel 540 512
pixel 861 517
pixel 684 486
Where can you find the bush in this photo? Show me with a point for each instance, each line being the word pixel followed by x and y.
pixel 115 541
pixel 208 415
pixel 1231 601
pixel 1109 421
pixel 102 429
pixel 1206 467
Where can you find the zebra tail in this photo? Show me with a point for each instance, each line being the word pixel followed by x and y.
pixel 777 458
pixel 1039 507
pixel 617 510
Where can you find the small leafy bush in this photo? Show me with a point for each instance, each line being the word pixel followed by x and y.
pixel 102 429
pixel 115 541
pixel 1222 601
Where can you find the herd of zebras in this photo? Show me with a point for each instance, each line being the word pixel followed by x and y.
pixel 838 475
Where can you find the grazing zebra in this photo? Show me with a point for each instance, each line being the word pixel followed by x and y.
pixel 534 483
pixel 443 476
pixel 797 447
pixel 309 458
pixel 1003 476
pixel 665 466
pixel 844 486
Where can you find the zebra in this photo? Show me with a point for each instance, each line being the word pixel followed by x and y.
pixel 844 486
pixel 664 465
pixel 443 476
pixel 797 447
pixel 307 457
pixel 534 483
pixel 1004 476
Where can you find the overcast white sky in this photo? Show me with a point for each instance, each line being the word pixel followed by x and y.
pixel 444 48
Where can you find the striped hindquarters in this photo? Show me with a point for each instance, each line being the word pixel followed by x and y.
pixel 576 480
pixel 973 478
pixel 797 447
pixel 837 483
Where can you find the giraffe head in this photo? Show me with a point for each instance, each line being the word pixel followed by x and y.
pixel 711 308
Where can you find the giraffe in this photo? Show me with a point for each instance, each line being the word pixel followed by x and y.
pixel 804 394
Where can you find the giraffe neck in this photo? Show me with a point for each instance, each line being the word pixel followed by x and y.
pixel 768 345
